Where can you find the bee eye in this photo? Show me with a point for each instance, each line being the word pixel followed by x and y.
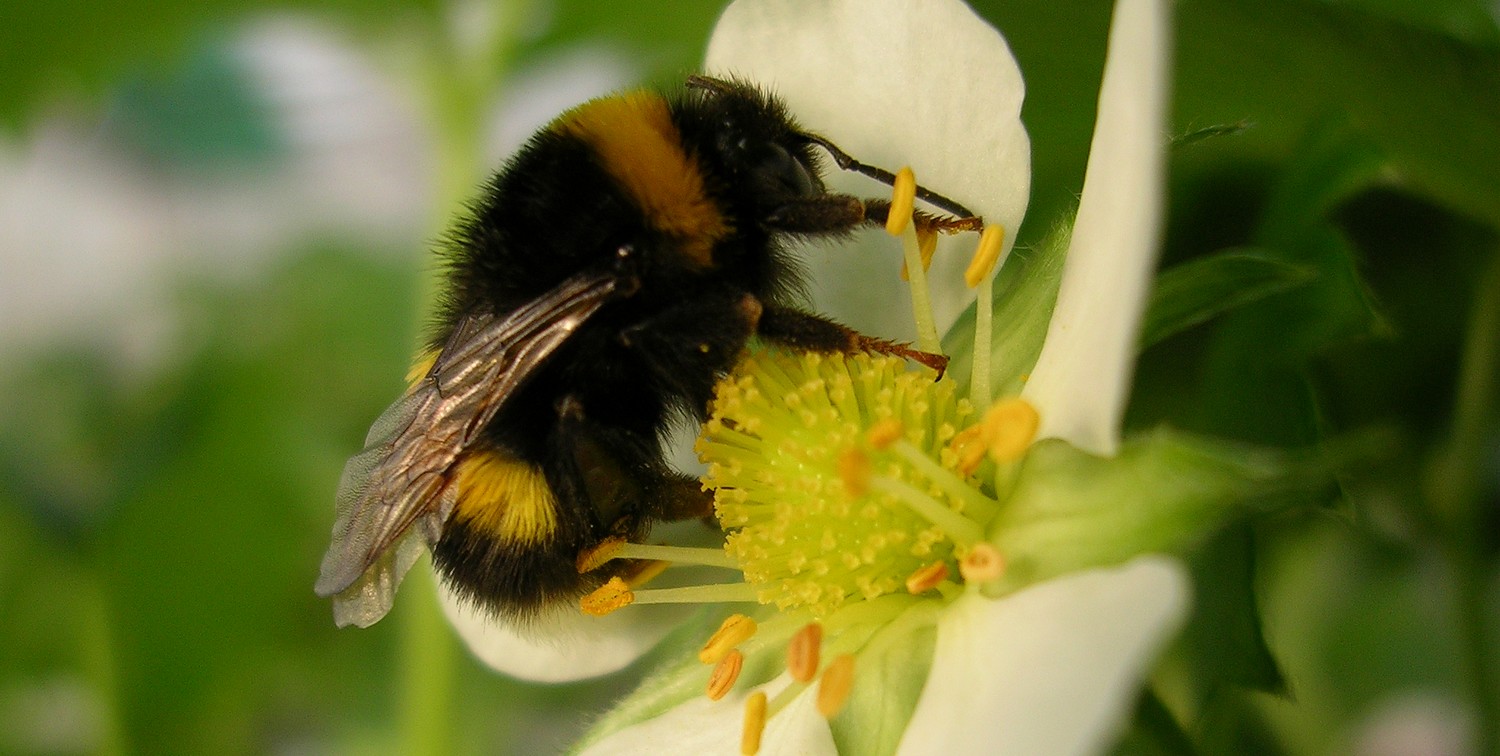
pixel 777 176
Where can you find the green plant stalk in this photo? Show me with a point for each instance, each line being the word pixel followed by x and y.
pixel 1454 486
pixel 459 86
pixel 96 641
pixel 427 669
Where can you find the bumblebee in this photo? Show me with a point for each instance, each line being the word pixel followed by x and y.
pixel 609 275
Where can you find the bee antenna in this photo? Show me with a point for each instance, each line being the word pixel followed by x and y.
pixel 848 163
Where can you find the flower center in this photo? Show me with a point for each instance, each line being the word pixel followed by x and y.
pixel 808 457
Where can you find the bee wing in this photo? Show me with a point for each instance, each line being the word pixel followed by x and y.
pixel 394 496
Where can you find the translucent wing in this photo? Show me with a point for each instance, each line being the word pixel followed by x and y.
pixel 394 496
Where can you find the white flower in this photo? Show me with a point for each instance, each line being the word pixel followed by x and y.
pixel 1053 667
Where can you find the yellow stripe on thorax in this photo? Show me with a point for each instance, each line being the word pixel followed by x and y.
pixel 506 498
pixel 634 136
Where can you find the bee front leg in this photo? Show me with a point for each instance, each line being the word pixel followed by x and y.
pixel 806 331
pixel 836 213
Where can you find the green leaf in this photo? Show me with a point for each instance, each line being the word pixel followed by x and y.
pixel 1154 731
pixel 1225 633
pixel 1424 99
pixel 1197 291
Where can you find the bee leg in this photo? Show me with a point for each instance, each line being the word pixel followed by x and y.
pixel 592 470
pixel 806 331
pixel 681 497
pixel 836 213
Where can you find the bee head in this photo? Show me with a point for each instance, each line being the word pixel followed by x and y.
pixel 757 144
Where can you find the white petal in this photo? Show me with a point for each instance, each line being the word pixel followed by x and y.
pixel 1082 378
pixel 706 727
pixel 924 83
pixel 563 645
pixel 1050 670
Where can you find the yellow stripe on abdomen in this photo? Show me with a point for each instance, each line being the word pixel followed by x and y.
pixel 506 498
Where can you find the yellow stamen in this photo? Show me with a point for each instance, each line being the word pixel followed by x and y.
pixel 985 257
pixel 725 673
pixel 803 651
pixel 1010 426
pixel 926 246
pixel 755 723
pixel 885 432
pixel 594 558
pixel 736 629
pixel 927 578
pixel 903 199
pixel 611 596
pixel 643 571
pixel 969 445
pixel 834 688
pixel 854 470
pixel 982 564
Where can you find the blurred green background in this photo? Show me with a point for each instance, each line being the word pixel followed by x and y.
pixel 214 224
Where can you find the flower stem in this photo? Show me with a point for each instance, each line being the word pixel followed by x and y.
pixel 426 669
pixel 1453 489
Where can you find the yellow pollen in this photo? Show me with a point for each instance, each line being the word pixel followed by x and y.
pixel 725 673
pixel 990 242
pixel 644 571
pixel 593 558
pixel 982 564
pixel 927 578
pixel 969 446
pixel 1009 427
pixel 755 723
pixel 611 596
pixel 854 470
pixel 736 629
pixel 885 432
pixel 903 200
pixel 834 688
pixel 803 651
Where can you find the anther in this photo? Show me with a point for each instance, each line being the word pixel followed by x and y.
pixel 802 652
pixel 927 578
pixel 736 629
pixel 611 596
pixel 644 571
pixel 725 673
pixel 591 559
pixel 755 723
pixel 885 432
pixel 982 564
pixel 903 199
pixel 990 242
pixel 834 688
pixel 1009 427
pixel 969 445
pixel 854 470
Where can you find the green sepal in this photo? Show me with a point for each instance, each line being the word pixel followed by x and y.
pixel 889 679
pixel 1070 510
